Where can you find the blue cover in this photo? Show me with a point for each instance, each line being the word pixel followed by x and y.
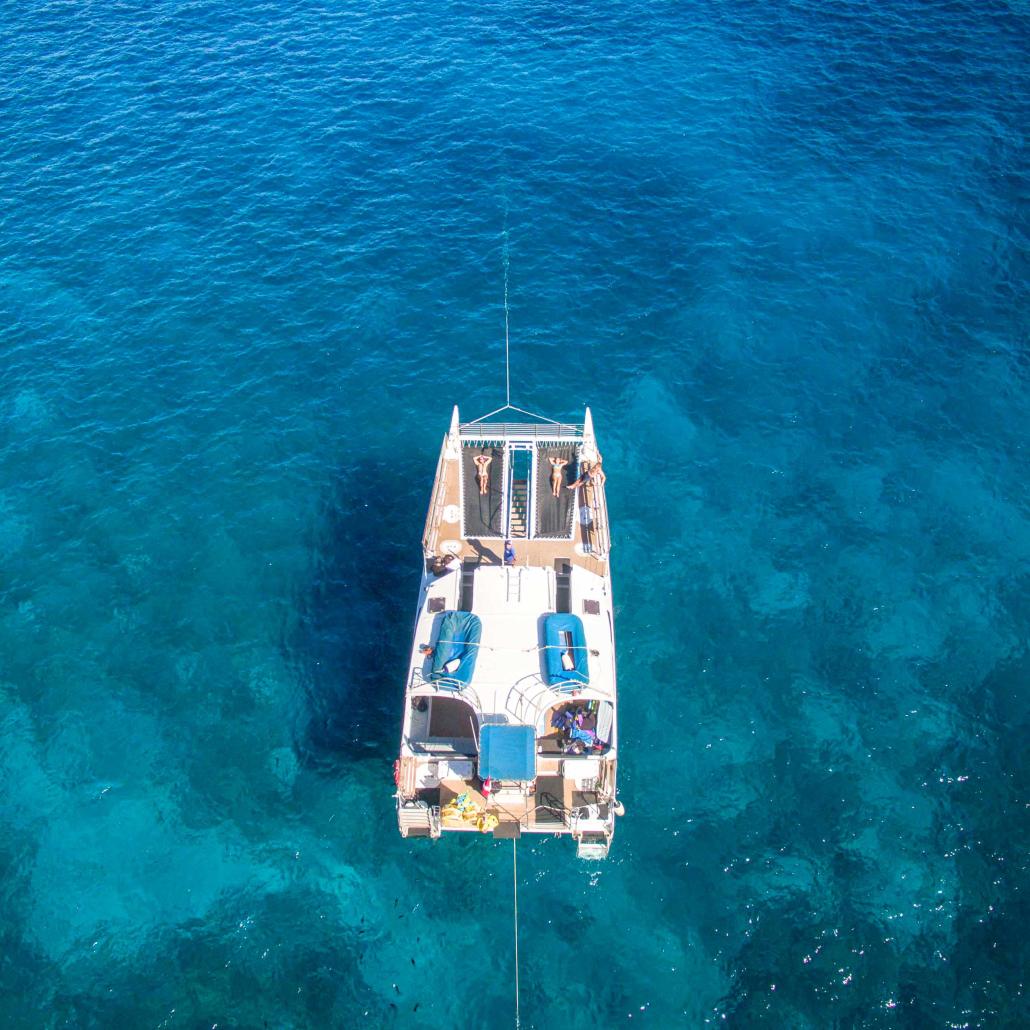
pixel 553 625
pixel 507 752
pixel 459 637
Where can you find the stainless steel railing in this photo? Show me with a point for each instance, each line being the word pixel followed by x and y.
pixel 436 506
pixel 599 514
pixel 565 431
pixel 448 687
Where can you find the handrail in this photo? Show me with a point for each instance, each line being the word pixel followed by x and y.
pixel 599 509
pixel 507 430
pixel 551 804
pixel 446 686
pixel 435 514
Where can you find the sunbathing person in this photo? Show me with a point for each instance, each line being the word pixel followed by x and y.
pixel 592 474
pixel 483 471
pixel 586 477
pixel 557 464
pixel 444 563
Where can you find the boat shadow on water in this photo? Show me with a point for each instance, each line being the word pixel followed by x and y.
pixel 354 635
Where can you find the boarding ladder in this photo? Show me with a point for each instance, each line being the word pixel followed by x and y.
pixel 514 584
pixel 591 844
pixel 519 517
pixel 418 819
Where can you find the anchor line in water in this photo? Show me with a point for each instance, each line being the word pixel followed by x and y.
pixel 508 406
pixel 507 363
pixel 515 889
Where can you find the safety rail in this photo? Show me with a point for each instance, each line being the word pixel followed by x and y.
pixel 568 818
pixel 519 701
pixel 550 804
pixel 599 512
pixel 447 687
pixel 520 431
pixel 436 506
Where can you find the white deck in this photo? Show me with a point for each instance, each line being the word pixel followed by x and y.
pixel 439 753
pixel 508 683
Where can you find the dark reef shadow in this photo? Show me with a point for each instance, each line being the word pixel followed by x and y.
pixel 353 642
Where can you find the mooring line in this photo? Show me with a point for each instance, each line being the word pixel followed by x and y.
pixel 507 364
pixel 515 885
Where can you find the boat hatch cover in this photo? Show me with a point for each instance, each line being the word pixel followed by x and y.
pixel 507 752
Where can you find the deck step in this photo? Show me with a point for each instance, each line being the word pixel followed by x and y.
pixel 519 510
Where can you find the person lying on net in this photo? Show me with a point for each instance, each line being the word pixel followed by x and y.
pixel 557 464
pixel 483 471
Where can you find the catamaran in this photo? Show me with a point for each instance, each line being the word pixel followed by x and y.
pixel 510 709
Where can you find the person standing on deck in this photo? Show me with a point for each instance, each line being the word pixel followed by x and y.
pixel 509 553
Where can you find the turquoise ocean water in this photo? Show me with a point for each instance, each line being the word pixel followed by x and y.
pixel 250 256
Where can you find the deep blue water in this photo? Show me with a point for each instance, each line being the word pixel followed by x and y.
pixel 251 254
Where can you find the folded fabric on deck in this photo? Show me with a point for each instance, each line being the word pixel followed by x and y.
pixel 460 633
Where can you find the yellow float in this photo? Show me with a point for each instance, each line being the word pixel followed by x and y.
pixel 461 812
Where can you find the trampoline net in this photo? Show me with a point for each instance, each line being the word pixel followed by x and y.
pixel 554 514
pixel 484 513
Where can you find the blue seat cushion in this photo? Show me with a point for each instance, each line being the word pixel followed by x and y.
pixel 554 627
